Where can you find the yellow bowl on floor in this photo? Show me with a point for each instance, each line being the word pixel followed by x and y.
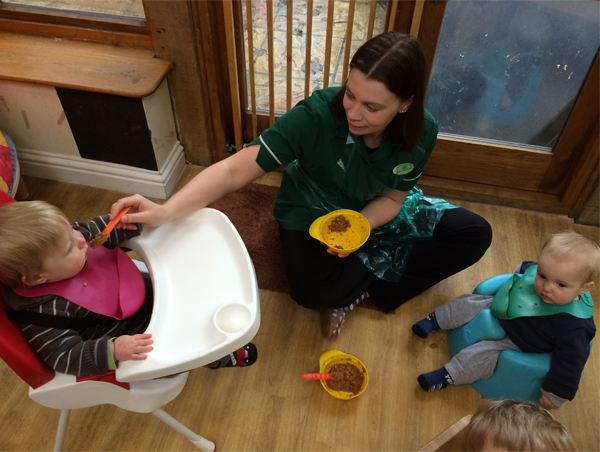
pixel 342 242
pixel 326 362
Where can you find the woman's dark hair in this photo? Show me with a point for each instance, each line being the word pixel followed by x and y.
pixel 397 60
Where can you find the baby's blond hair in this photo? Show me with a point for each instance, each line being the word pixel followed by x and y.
pixel 516 426
pixel 29 232
pixel 573 247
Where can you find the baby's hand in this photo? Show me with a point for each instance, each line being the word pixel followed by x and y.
pixel 126 348
pixel 546 402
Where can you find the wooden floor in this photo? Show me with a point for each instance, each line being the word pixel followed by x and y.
pixel 267 407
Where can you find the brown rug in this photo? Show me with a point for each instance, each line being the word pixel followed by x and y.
pixel 250 209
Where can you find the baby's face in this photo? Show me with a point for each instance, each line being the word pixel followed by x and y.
pixel 69 258
pixel 559 281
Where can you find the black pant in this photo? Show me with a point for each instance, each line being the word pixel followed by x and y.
pixel 319 280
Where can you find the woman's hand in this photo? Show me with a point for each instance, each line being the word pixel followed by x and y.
pixel 125 348
pixel 142 211
pixel 330 251
pixel 340 255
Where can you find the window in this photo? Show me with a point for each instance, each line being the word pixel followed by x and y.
pixel 114 21
pixel 320 11
pixel 511 71
pixel 120 8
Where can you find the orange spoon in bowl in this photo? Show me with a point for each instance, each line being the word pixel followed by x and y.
pixel 317 376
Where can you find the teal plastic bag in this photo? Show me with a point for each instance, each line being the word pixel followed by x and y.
pixel 387 250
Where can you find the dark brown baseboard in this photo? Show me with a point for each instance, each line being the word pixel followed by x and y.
pixel 492 195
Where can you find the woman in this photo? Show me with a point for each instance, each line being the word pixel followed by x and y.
pixel 361 147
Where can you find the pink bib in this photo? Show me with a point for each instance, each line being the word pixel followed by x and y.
pixel 110 284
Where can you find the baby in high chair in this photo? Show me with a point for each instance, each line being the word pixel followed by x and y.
pixel 547 309
pixel 82 310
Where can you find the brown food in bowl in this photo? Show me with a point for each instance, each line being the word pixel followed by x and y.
pixel 348 378
pixel 339 224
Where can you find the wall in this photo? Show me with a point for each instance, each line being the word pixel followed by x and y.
pixel 590 211
pixel 174 35
pixel 94 139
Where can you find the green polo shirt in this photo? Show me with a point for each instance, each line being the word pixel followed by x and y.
pixel 330 167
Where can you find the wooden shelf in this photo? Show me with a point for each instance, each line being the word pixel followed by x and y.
pixel 87 66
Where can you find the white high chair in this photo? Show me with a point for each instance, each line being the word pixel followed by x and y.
pixel 205 306
pixel 205 294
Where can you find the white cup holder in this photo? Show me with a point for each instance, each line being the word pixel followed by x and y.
pixel 233 318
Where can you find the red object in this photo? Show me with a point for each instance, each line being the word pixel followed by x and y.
pixel 6 168
pixel 4 198
pixel 317 377
pixel 14 349
pixel 240 356
pixel 15 352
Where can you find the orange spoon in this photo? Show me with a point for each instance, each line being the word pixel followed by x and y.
pixel 111 224
pixel 317 376
pixel 102 237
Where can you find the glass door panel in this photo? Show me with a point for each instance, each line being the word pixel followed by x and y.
pixel 510 71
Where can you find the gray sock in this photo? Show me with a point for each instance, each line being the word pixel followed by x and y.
pixel 354 304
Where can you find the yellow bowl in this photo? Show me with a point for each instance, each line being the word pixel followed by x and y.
pixel 328 359
pixel 342 242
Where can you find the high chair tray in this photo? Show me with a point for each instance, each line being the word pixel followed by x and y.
pixel 206 301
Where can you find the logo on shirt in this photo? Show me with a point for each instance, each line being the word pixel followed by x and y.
pixel 403 168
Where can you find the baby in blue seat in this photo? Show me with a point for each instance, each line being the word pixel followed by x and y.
pixel 547 309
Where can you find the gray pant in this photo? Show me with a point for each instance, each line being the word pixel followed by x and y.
pixel 479 360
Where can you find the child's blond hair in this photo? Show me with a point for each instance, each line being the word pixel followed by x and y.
pixel 29 232
pixel 574 247
pixel 516 426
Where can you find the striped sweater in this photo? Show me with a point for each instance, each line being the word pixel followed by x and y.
pixel 84 351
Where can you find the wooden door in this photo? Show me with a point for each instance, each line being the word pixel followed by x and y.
pixel 546 155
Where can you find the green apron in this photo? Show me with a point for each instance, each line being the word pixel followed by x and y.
pixel 387 250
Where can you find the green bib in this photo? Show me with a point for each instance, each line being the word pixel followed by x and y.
pixel 518 298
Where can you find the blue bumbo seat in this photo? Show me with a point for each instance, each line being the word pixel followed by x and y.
pixel 518 375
